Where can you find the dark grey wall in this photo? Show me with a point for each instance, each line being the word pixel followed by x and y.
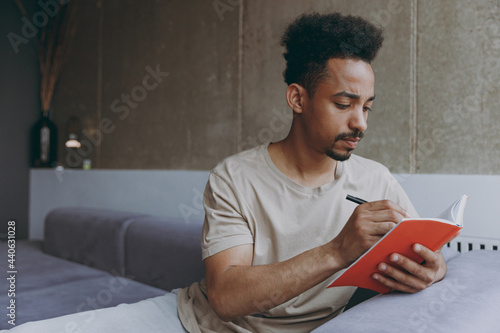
pixel 437 82
pixel 155 84
pixel 182 84
pixel 19 110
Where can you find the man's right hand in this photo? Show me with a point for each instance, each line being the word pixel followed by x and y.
pixel 368 223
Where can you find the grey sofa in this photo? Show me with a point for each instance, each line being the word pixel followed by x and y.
pixel 94 258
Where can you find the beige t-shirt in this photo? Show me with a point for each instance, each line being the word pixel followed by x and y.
pixel 248 200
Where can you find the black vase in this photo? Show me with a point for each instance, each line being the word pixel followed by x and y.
pixel 44 143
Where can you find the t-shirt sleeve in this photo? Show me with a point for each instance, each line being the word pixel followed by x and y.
pixel 224 226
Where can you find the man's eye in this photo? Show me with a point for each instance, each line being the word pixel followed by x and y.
pixel 367 108
pixel 342 106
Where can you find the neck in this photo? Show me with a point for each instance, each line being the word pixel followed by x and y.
pixel 305 166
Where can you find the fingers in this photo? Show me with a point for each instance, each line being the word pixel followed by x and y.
pixel 409 276
pixel 387 206
pixel 393 284
pixel 412 278
pixel 381 228
pixel 386 214
pixel 367 224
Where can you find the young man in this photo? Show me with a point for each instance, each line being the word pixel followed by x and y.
pixel 277 225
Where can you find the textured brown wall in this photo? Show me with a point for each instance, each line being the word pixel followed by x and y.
pixel 437 83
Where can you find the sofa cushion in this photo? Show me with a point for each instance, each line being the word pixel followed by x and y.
pixel 37 269
pixel 47 286
pixel 90 236
pixel 164 252
pixel 81 295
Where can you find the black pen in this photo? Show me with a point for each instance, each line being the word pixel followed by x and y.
pixel 359 201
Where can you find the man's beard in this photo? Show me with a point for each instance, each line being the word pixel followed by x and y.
pixel 342 157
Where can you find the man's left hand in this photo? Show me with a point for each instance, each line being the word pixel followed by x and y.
pixel 412 276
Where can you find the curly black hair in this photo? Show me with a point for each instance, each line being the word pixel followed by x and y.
pixel 312 39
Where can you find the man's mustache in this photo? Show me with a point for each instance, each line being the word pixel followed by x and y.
pixel 356 134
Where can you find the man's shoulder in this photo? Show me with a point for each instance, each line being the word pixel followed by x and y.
pixel 243 163
pixel 365 165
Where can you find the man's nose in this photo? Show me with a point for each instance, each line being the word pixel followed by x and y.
pixel 358 120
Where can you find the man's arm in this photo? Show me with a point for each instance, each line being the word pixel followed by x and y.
pixel 236 288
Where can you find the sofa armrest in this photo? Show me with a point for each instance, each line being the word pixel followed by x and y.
pixel 90 236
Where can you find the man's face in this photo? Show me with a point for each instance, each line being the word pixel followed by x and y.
pixel 335 117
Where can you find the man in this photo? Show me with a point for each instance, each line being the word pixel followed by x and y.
pixel 277 225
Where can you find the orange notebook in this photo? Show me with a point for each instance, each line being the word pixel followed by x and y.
pixel 430 232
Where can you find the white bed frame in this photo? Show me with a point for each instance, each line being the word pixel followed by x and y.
pixel 431 194
pixel 178 192
pixel 466 244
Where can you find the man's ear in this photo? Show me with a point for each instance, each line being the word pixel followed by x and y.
pixel 296 96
